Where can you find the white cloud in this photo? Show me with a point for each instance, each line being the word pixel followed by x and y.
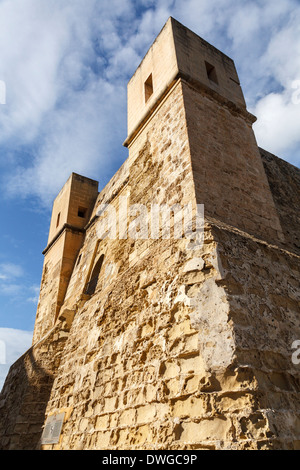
pixel 11 289
pixel 13 343
pixel 10 270
pixel 79 139
pixel 278 113
pixel 29 64
pixel 35 294
pixel 59 100
pixel 278 125
pixel 10 275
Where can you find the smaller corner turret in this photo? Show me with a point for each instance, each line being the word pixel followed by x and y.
pixel 71 212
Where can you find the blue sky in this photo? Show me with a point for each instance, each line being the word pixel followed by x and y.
pixel 66 64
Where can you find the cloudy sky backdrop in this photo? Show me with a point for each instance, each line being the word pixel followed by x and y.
pixel 65 65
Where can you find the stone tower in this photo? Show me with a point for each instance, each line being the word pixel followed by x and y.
pixel 71 212
pixel 165 342
pixel 226 164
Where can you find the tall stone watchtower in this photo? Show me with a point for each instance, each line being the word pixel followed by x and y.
pixel 147 342
pixel 183 73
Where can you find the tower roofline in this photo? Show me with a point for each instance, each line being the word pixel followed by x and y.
pixel 179 53
pixel 174 21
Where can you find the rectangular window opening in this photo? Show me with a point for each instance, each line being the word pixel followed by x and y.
pixel 148 88
pixel 82 212
pixel 211 73
pixel 57 220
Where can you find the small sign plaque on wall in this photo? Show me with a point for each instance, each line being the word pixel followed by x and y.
pixel 52 429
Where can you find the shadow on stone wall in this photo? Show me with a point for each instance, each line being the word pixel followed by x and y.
pixel 284 181
pixel 27 390
pixel 23 403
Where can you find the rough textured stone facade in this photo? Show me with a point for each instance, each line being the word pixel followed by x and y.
pixel 181 346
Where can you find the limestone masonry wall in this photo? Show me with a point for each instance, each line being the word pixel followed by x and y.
pixel 284 181
pixel 262 285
